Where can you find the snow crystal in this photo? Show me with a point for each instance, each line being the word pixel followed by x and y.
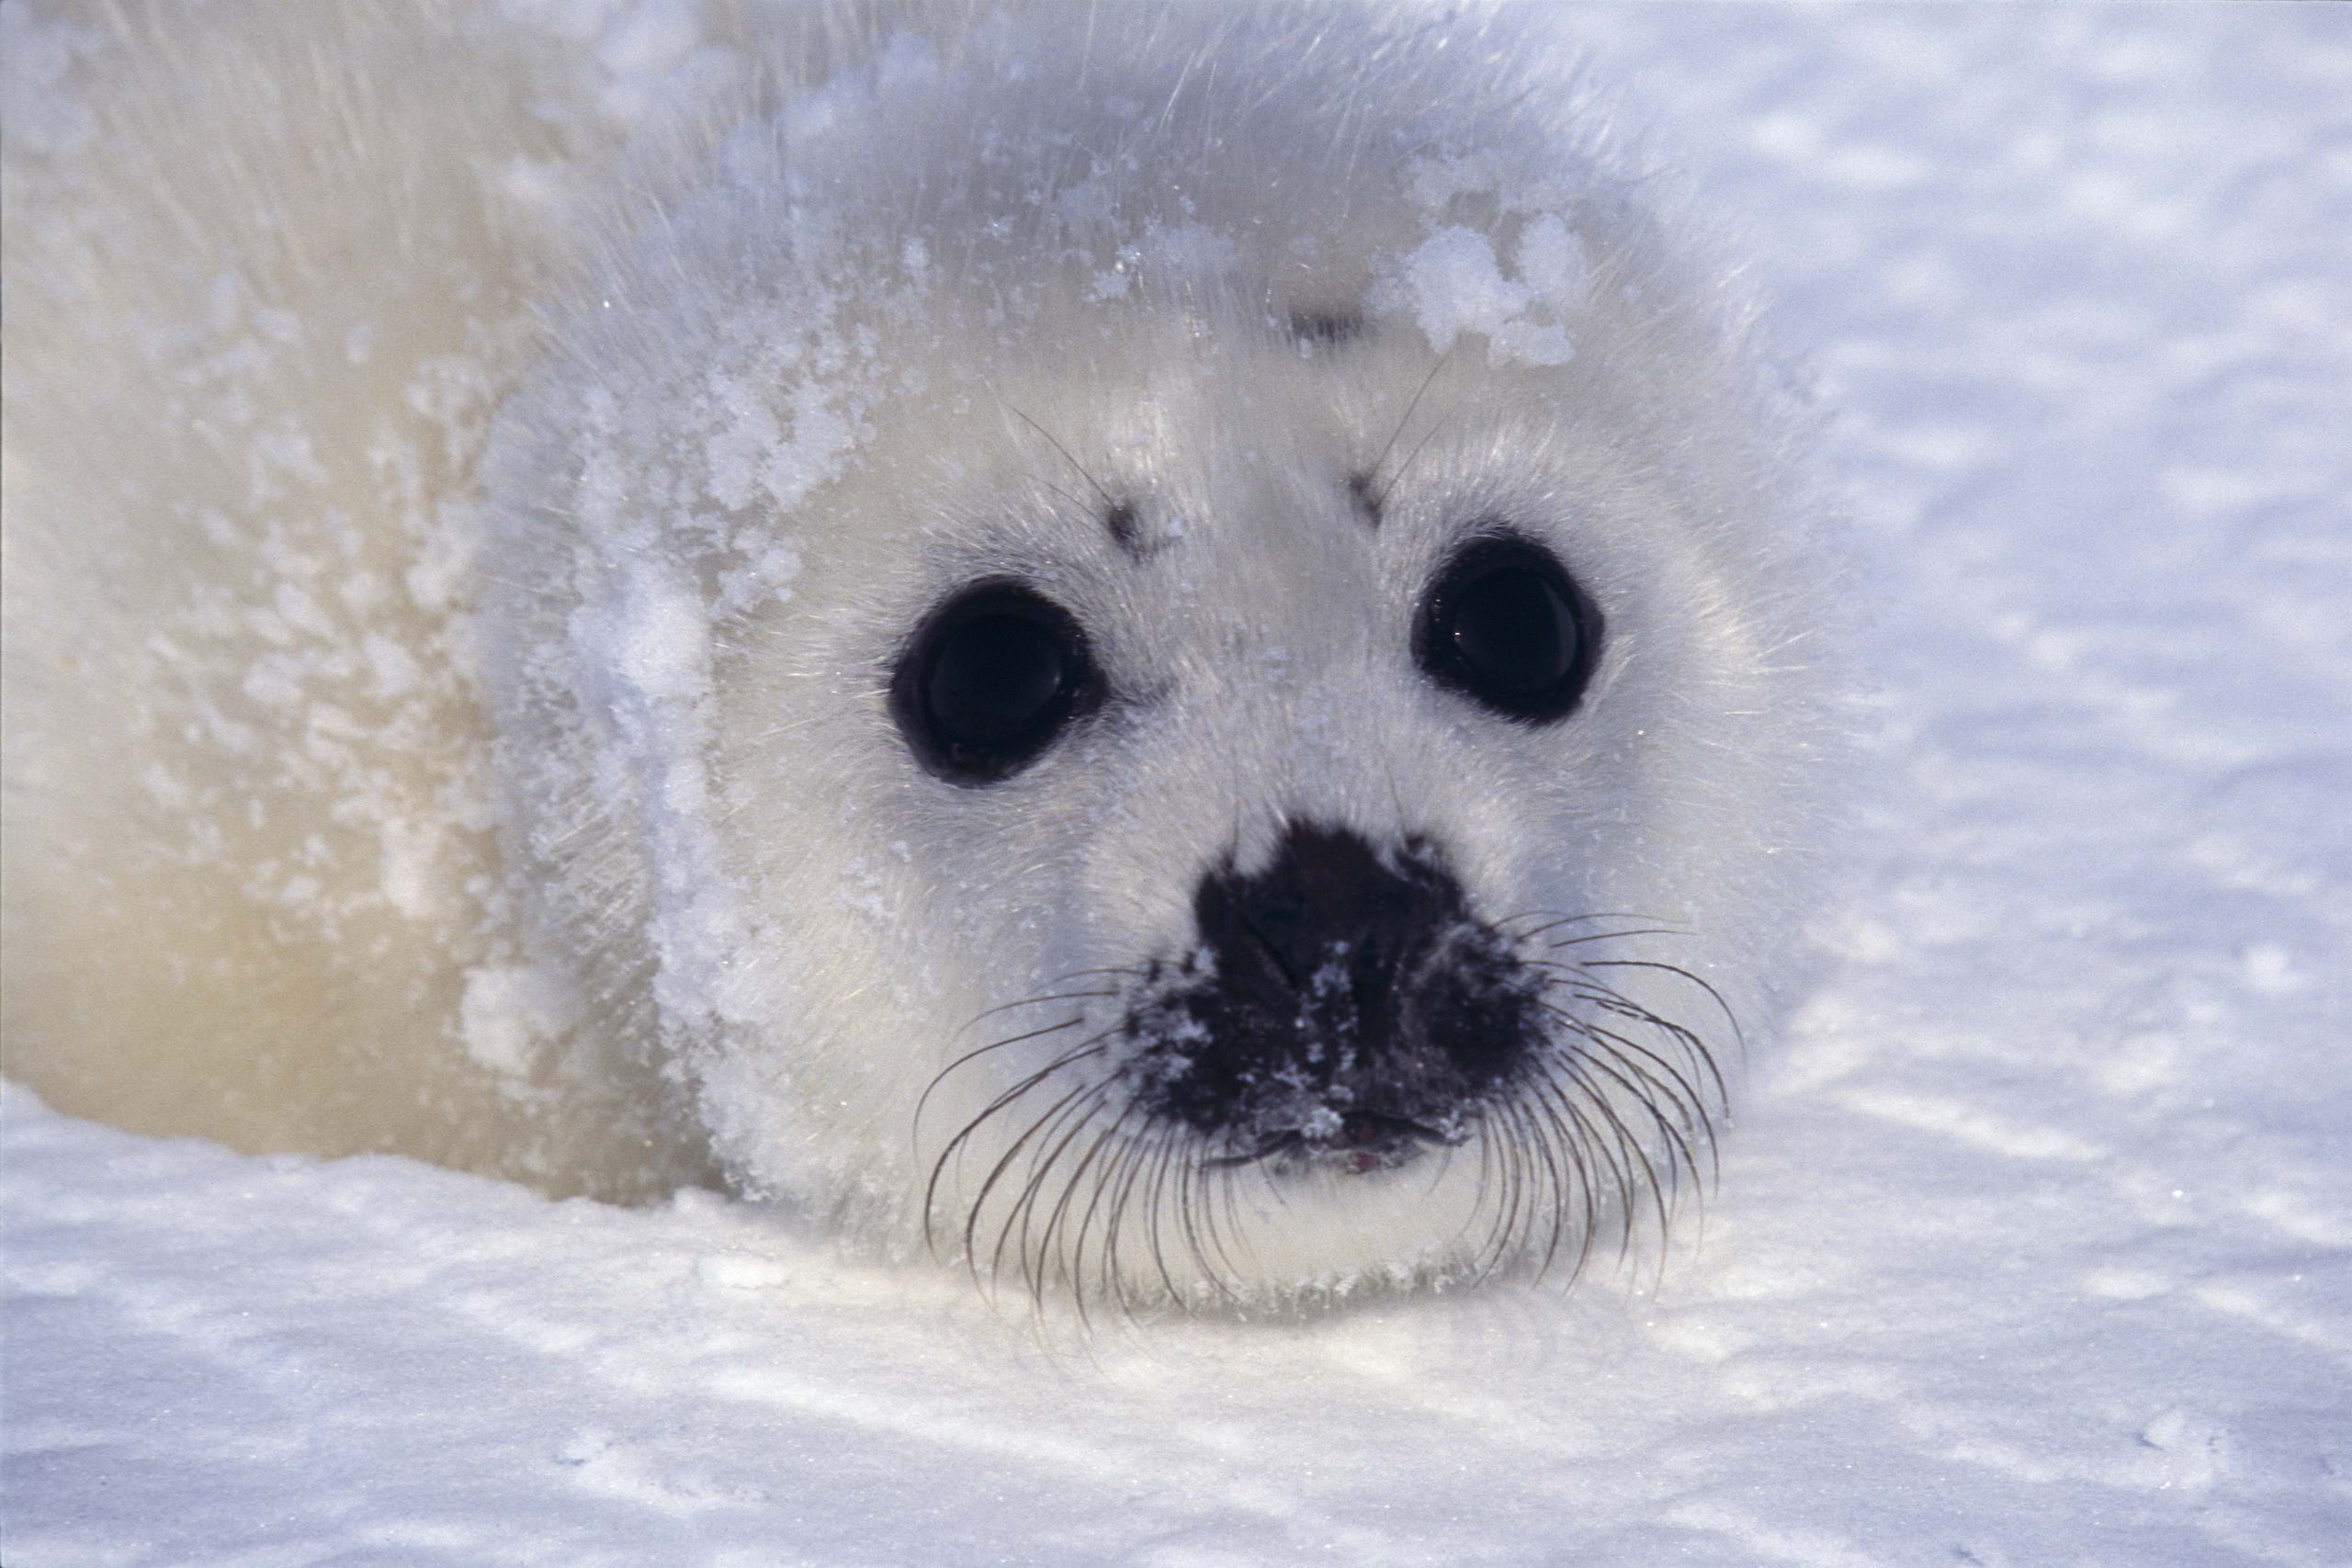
pixel 1453 283
pixel 509 1011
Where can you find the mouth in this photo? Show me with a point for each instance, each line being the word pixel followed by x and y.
pixel 1353 1143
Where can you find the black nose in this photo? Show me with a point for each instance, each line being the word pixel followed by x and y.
pixel 1344 1001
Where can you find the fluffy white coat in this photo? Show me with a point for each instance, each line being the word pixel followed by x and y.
pixel 470 469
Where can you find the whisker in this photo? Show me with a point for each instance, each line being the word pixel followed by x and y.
pixel 965 1134
pixel 1004 1162
pixel 970 1057
pixel 1381 499
pixel 1730 1019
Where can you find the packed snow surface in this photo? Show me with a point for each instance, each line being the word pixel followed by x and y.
pixel 2034 1247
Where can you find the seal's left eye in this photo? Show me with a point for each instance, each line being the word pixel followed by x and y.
pixel 991 678
pixel 1504 626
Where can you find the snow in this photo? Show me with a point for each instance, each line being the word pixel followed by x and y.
pixel 2033 1248
pixel 1452 284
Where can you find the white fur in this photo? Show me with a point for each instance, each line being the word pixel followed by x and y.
pixel 464 503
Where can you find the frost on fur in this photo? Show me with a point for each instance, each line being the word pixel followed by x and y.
pixel 1180 658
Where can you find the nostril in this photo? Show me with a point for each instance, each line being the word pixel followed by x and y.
pixel 1285 966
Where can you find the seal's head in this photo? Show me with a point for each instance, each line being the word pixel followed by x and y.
pixel 1185 680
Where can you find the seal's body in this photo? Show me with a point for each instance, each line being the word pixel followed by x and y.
pixel 1178 654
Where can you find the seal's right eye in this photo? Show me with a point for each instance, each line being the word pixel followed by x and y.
pixel 988 680
pixel 1505 626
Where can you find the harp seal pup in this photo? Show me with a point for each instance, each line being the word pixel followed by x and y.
pixel 1180 654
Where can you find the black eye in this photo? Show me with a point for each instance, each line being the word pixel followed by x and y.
pixel 1505 627
pixel 990 679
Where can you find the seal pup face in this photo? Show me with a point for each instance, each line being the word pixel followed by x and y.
pixel 1286 784
pixel 1176 741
